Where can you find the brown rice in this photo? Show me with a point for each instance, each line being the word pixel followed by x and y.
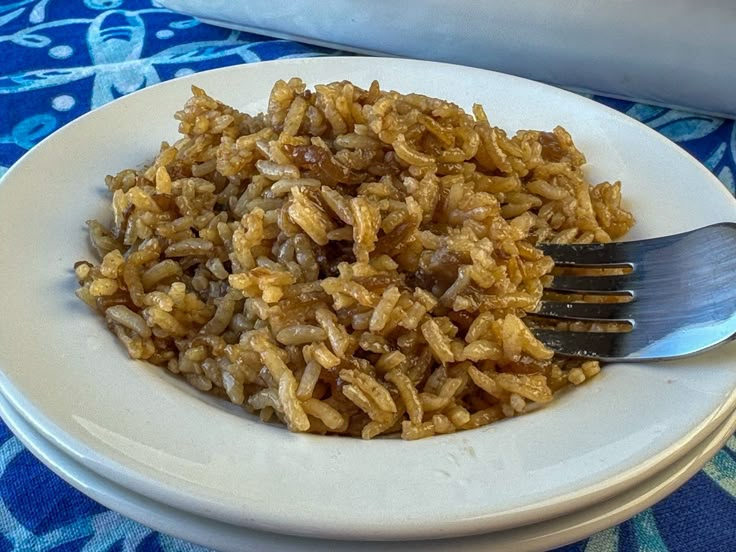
pixel 354 262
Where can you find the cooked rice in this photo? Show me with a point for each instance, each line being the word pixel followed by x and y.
pixel 354 262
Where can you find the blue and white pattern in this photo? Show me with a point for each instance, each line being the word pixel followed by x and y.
pixel 62 58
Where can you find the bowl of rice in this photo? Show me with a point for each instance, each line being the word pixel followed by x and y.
pixel 307 290
pixel 350 261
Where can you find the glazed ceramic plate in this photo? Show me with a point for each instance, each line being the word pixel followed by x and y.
pixel 134 424
pixel 225 537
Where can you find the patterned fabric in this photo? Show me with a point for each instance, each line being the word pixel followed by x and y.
pixel 62 58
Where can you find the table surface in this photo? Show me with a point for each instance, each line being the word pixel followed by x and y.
pixel 54 69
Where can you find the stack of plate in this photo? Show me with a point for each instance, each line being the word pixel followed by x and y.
pixel 141 442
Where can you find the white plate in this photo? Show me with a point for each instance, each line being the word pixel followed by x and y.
pixel 536 537
pixel 65 373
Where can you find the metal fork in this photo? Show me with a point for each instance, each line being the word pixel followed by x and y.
pixel 682 291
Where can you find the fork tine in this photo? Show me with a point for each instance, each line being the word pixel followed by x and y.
pixel 683 298
pixel 612 312
pixel 594 284
pixel 598 345
pixel 618 254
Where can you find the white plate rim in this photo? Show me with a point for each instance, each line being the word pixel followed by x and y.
pixel 113 465
pixel 545 535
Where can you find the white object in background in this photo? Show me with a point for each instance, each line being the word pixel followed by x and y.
pixel 677 53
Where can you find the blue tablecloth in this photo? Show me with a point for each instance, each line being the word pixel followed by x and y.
pixel 54 68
